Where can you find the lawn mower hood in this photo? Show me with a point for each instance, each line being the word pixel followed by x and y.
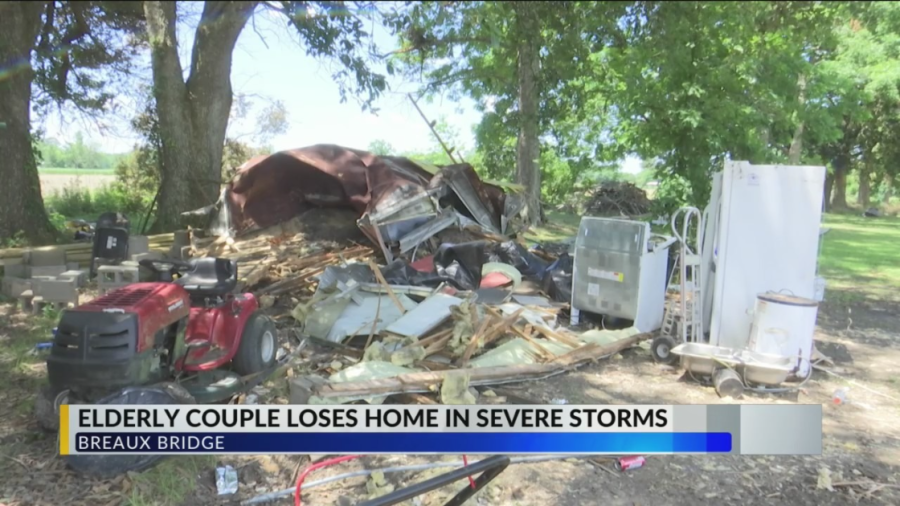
pixel 127 337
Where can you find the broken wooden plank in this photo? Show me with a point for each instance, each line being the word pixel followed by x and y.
pixel 546 355
pixel 419 382
pixel 473 342
pixel 558 337
pixel 380 277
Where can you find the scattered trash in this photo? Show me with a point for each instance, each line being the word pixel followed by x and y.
pixel 628 463
pixel 559 401
pixel 839 397
pixel 226 480
pixel 377 485
pixel 823 479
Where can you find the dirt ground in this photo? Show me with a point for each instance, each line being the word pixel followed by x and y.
pixel 859 464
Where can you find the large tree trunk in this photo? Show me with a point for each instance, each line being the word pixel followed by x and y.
pixel 21 206
pixel 528 171
pixel 839 190
pixel 795 152
pixel 829 188
pixel 193 115
pixel 865 188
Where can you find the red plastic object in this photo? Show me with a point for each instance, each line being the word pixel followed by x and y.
pixel 633 462
pixel 424 264
pixel 494 280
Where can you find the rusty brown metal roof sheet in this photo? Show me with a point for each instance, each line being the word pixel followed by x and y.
pixel 268 190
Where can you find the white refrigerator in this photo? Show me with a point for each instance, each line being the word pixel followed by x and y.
pixel 766 237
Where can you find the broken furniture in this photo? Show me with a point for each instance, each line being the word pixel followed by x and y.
pixel 620 271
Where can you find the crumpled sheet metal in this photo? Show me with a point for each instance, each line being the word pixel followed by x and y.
pixel 268 190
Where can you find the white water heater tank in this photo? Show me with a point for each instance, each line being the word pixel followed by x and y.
pixel 784 325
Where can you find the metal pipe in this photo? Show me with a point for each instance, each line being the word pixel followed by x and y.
pixel 433 131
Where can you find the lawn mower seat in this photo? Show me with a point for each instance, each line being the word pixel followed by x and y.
pixel 210 277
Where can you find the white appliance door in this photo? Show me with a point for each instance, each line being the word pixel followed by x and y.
pixel 768 241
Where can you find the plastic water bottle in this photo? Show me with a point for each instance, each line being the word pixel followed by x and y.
pixel 839 397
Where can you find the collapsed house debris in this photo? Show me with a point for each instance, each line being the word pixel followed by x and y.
pixel 443 298
pixel 399 203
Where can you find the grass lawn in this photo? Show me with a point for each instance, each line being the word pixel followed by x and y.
pixel 56 171
pixel 861 256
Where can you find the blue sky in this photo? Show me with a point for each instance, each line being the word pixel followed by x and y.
pixel 270 64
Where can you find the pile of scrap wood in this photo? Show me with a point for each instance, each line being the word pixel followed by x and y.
pixel 279 259
pixel 618 198
pixel 418 340
pixel 394 327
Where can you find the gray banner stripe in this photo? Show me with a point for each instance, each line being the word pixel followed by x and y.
pixel 725 418
pixel 690 418
pixel 781 430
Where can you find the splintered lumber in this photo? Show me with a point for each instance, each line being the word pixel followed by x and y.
pixel 546 355
pixel 419 382
pixel 380 277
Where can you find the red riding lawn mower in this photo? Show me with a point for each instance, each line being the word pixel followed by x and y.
pixel 183 338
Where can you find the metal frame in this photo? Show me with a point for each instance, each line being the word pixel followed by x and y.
pixel 489 468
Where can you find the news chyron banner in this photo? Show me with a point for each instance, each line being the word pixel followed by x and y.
pixel 361 429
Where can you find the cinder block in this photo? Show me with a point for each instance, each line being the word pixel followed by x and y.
pixel 116 275
pixel 150 255
pixel 138 244
pixel 58 290
pixel 44 258
pixel 78 276
pixel 37 305
pixel 44 271
pixel 24 300
pixel 14 287
pixel 16 271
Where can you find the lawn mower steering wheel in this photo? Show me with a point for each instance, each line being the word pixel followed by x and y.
pixel 166 268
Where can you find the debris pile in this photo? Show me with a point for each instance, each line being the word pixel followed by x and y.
pixel 406 274
pixel 618 198
pixel 397 203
